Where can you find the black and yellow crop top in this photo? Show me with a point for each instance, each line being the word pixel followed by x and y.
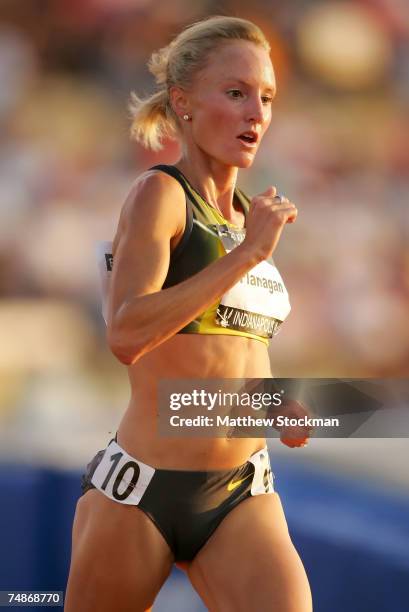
pixel 254 307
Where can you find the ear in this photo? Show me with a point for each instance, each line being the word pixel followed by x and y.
pixel 179 101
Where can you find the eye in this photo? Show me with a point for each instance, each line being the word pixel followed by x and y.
pixel 234 91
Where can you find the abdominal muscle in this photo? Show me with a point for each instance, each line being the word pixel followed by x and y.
pixel 189 356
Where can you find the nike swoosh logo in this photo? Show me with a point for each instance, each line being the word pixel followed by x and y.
pixel 233 485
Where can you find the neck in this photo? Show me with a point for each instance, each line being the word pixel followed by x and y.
pixel 215 182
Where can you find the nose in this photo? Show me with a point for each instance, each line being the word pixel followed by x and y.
pixel 255 110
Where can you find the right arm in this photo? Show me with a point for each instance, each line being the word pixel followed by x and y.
pixel 142 315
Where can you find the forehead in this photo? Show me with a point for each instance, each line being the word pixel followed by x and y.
pixel 240 60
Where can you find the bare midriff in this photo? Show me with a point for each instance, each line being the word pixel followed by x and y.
pixel 189 356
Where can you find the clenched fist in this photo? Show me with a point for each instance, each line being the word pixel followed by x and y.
pixel 268 213
pixel 294 436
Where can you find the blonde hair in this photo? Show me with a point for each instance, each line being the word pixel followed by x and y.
pixel 176 64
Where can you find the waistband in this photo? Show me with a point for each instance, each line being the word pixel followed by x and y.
pixel 254 458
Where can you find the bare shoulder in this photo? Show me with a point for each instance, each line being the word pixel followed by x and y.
pixel 152 220
pixel 155 200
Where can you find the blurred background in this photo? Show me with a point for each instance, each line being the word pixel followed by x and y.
pixel 337 147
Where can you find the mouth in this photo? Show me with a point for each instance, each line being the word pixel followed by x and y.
pixel 249 139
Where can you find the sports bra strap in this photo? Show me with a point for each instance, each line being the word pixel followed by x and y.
pixel 172 171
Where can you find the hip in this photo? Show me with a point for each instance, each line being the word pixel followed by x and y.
pixel 139 436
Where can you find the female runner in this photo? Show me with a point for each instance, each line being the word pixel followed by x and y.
pixel 177 309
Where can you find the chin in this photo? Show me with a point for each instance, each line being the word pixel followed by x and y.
pixel 246 161
pixel 239 161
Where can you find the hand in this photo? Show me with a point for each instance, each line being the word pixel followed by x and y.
pixel 265 221
pixel 295 436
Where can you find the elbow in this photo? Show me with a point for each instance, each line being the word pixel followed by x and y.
pixel 127 353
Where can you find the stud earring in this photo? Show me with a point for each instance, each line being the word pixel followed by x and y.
pixel 186 117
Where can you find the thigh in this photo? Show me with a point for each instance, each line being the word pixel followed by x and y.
pixel 119 558
pixel 250 562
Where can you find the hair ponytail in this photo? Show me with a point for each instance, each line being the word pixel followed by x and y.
pixel 151 120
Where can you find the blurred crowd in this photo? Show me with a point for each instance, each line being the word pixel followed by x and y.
pixel 337 147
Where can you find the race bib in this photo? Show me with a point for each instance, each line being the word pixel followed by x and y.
pixel 263 476
pixel 105 261
pixel 121 477
pixel 258 303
